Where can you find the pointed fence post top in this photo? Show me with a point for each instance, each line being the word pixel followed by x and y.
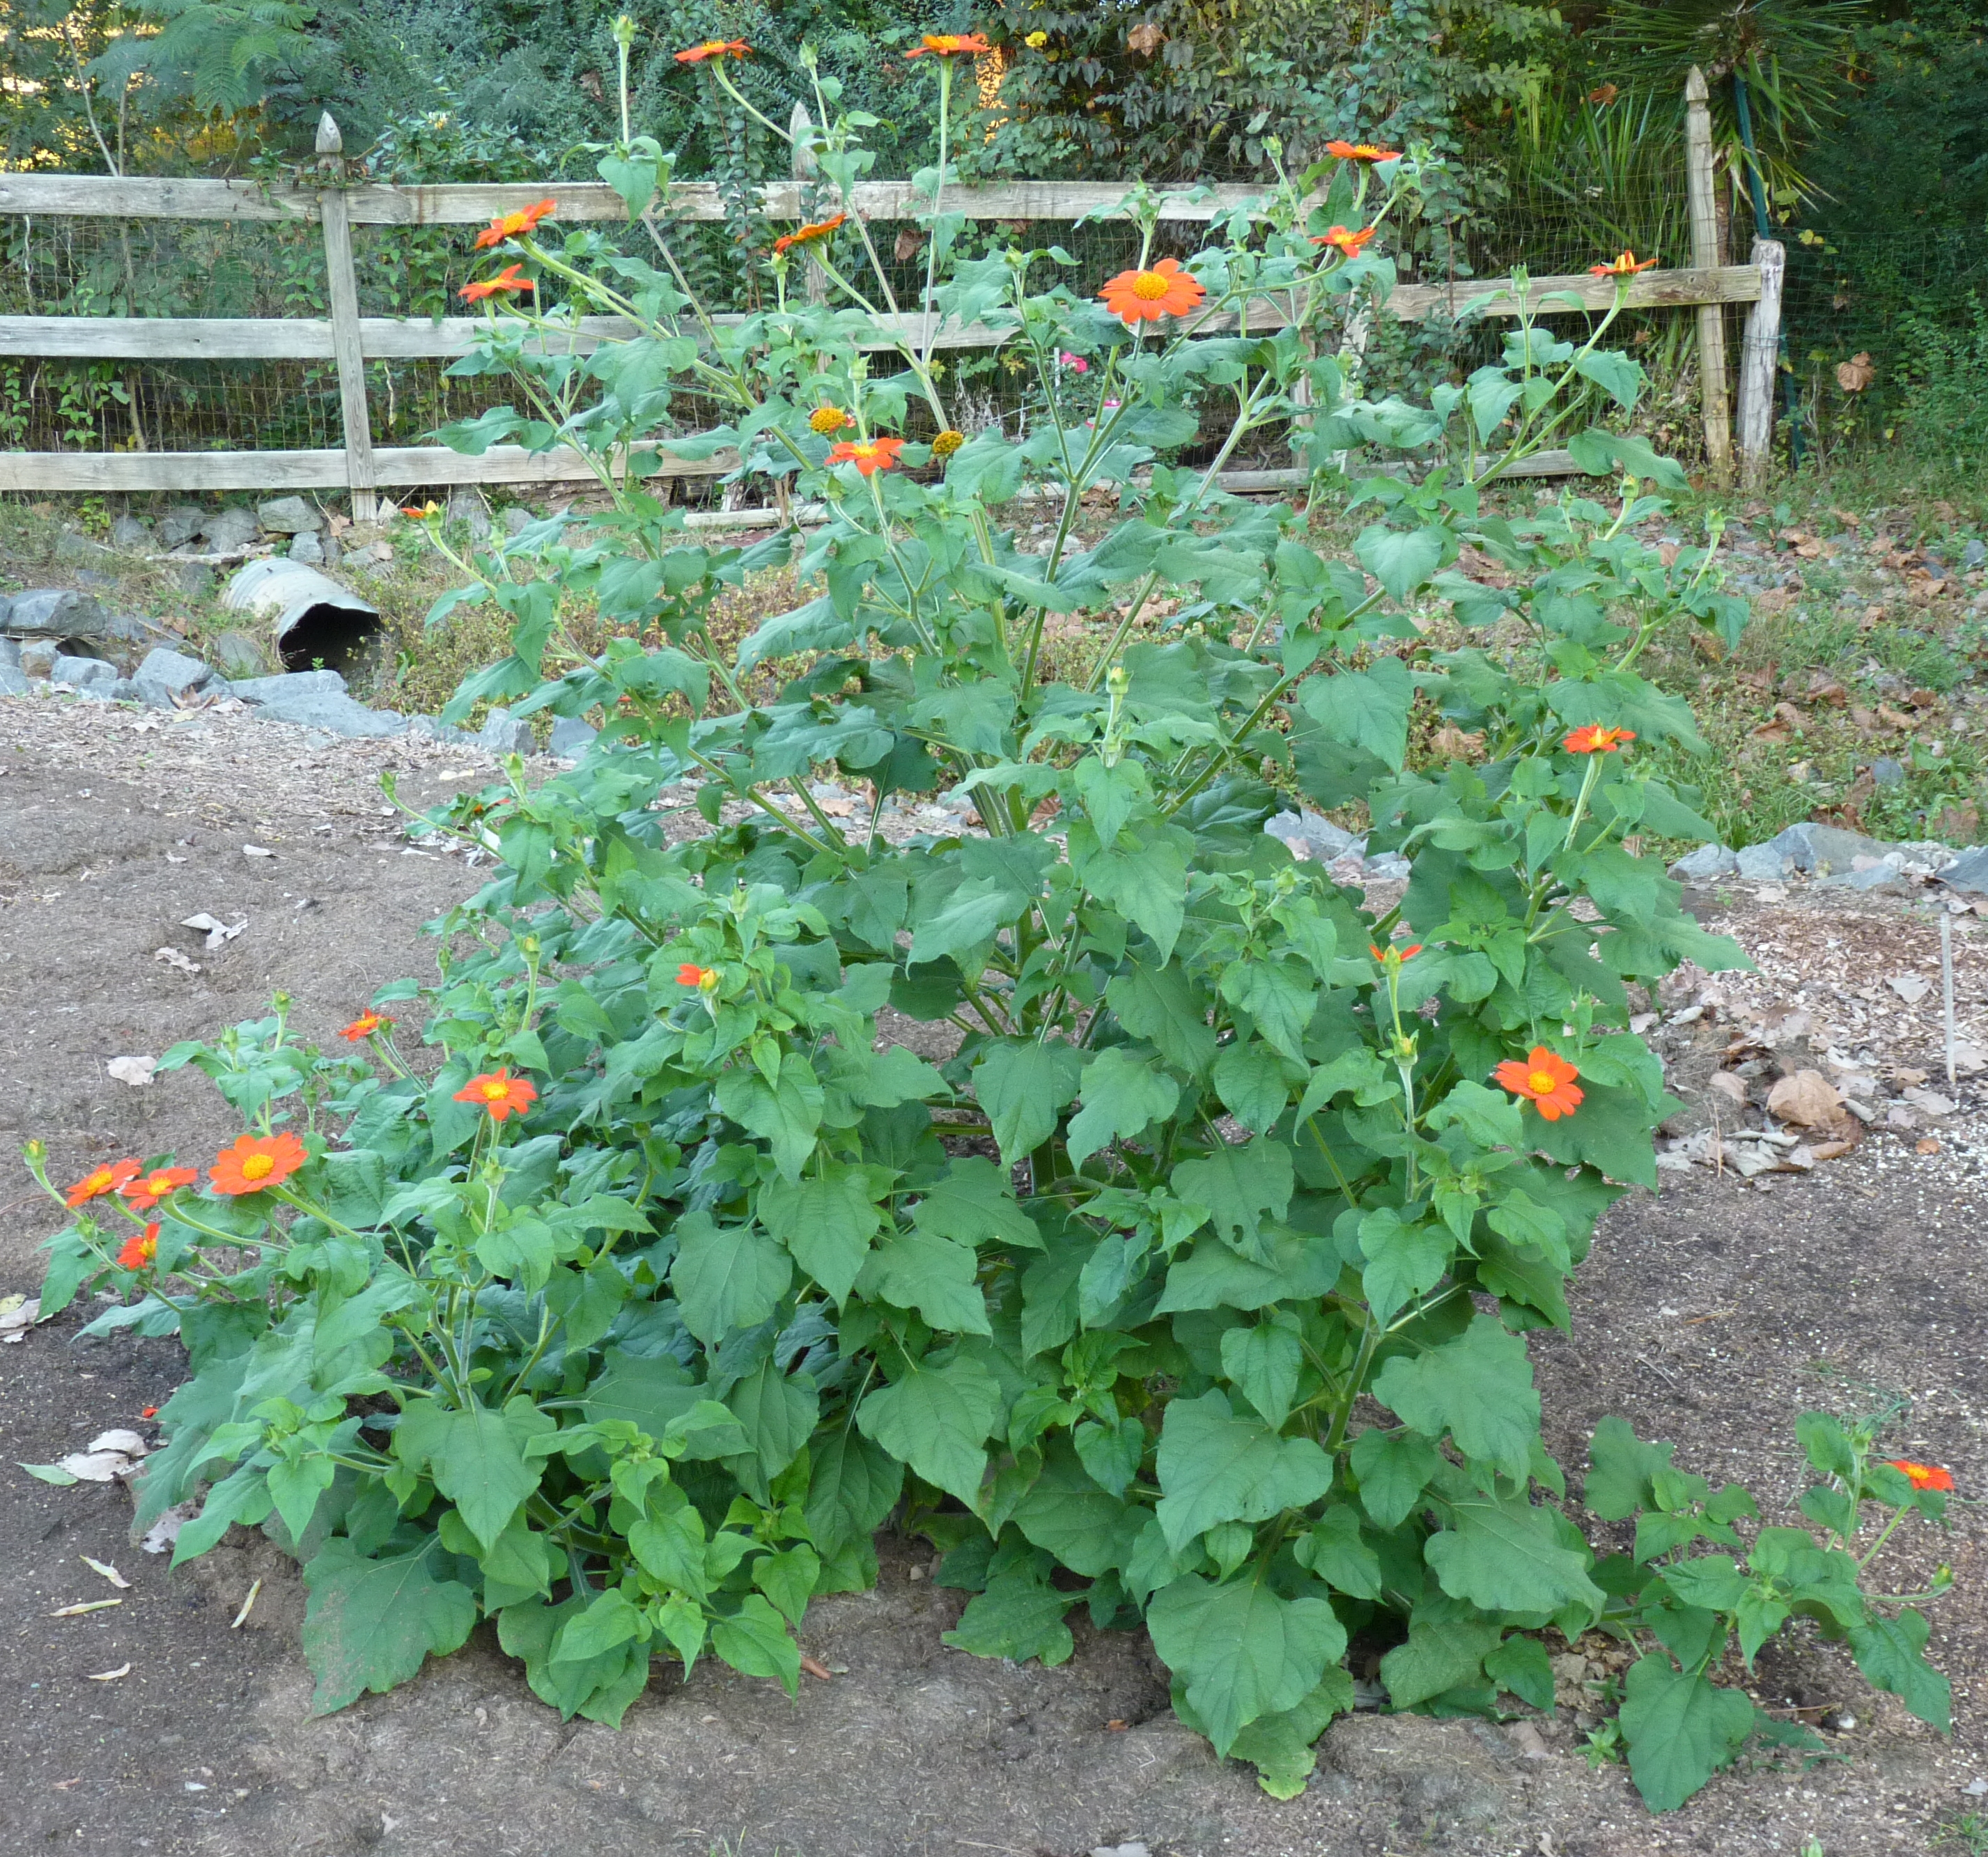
pixel 329 141
pixel 1695 91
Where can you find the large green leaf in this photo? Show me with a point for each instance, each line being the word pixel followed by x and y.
pixel 1264 1362
pixel 785 1115
pixel 1086 1528
pixel 600 1688
pixel 1436 1657
pixel 369 1624
pixel 1216 1466
pixel 1401 560
pixel 1147 886
pixel 1393 1470
pixel 1478 1388
pixel 827 1221
pixel 1680 1729
pixel 1366 709
pixel 476 1457
pixel 777 1411
pixel 754 1641
pixel 1891 1653
pixel 974 1202
pixel 1023 1085
pixel 1163 1005
pixel 1280 996
pixel 1123 1093
pixel 919 1269
pixel 853 1485
pixel 1250 1082
pixel 1502 1554
pixel 1244 1651
pixel 726 1277
pixel 937 1420
pixel 1238 1185
pixel 1019 1616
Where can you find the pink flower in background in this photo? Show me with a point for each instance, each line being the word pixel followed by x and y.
pixel 1075 362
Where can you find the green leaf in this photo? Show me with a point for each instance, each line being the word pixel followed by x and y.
pixel 974 1202
pixel 1521 1665
pixel 786 1115
pixel 370 1624
pixel 919 1269
pixel 1622 1468
pixel 777 1411
pixel 726 1277
pixel 1618 377
pixel 937 1420
pixel 1404 1261
pixel 1680 1729
pixel 1244 1651
pixel 611 1620
pixel 1123 1093
pixel 1110 1453
pixel 1250 1082
pixel 600 1688
pixel 1237 1184
pixel 1437 1657
pixel 1503 1554
pixel 1400 561
pixel 827 1221
pixel 1334 1552
pixel 1366 709
pixel 1280 996
pixel 1264 1362
pixel 295 1487
pixel 1217 1467
pixel 1147 887
pixel 476 1457
pixel 1279 1746
pixel 1213 1276
pixel 1891 1653
pixel 1393 1472
pixel 1022 1086
pixel 787 1579
pixel 853 1485
pixel 755 1642
pixel 1066 1513
pixel 1019 1615
pixel 1479 1388
pixel 1162 1004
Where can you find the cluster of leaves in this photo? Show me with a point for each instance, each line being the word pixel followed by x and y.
pixel 1175 1264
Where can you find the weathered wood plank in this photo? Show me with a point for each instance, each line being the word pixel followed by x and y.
pixel 147 338
pixel 1649 290
pixel 1760 357
pixel 111 197
pixel 342 293
pixel 1701 197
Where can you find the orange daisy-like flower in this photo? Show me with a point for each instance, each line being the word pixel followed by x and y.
pixel 946 443
pixel 1591 738
pixel 256 1162
pixel 524 220
pixel 142 1194
pixel 1545 1079
pixel 827 420
pixel 1341 240
pixel 1362 151
pixel 139 1251
pixel 807 235
pixel 703 978
pixel 505 284
pixel 1626 265
pixel 363 1026
pixel 1391 952
pixel 499 1092
pixel 713 48
pixel 1923 1476
pixel 950 44
pixel 108 1178
pixel 1144 297
pixel 869 455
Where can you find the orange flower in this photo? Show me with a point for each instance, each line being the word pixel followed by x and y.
pixel 1545 1079
pixel 149 1189
pixel 363 1026
pixel 1626 265
pixel 420 512
pixel 703 978
pixel 713 48
pixel 256 1162
pixel 108 1178
pixel 505 282
pixel 512 223
pixel 1923 1476
pixel 869 455
pixel 1391 953
pixel 1341 240
pixel 808 233
pixel 138 1253
pixel 827 420
pixel 1362 151
pixel 950 44
pixel 946 443
pixel 499 1092
pixel 1591 738
pixel 1144 297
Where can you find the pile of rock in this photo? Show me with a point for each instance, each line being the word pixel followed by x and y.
pixel 1311 835
pixel 1830 857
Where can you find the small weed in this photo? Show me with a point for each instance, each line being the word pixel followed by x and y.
pixel 1968 1832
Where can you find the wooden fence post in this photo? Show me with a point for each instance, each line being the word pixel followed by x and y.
pixel 806 174
pixel 1703 206
pixel 342 291
pixel 1759 356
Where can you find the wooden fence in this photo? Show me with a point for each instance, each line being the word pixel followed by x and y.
pixel 350 341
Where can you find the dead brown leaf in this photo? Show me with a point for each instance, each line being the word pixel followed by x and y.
pixel 1896 719
pixel 1854 375
pixel 1145 38
pixel 1926 1144
pixel 1807 1098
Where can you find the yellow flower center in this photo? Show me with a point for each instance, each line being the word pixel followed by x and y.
pixel 258 1166
pixel 496 1090
pixel 1149 285
pixel 1542 1082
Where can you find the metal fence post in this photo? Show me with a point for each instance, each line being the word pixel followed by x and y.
pixel 342 291
pixel 1702 203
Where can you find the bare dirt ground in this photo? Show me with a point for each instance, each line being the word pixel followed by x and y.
pixel 1711 1315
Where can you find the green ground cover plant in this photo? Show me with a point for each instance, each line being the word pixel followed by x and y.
pixel 1101 1192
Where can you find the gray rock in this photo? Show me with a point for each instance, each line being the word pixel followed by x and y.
pixel 195 579
pixel 84 673
pixel 1883 875
pixel 466 505
pixel 290 687
pixel 517 521
pixel 165 677
pixel 504 733
pixel 231 529
pixel 1975 554
pixel 1312 835
pixel 181 524
pixel 305 547
pixel 326 709
pixel 571 738
pixel 239 655
pixel 125 691
pixel 130 534
pixel 38 658
pixel 288 516
pixel 56 612
pixel 1886 772
pixel 10 653
pixel 1812 847
pixel 425 727
pixel 1702 866
pixel 1968 872
pixel 1760 864
pixel 74 550
pixel 1388 867
pixel 12 683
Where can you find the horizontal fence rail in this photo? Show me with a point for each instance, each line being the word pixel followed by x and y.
pixel 350 341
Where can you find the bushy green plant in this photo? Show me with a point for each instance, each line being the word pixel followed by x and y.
pixel 1176 1265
